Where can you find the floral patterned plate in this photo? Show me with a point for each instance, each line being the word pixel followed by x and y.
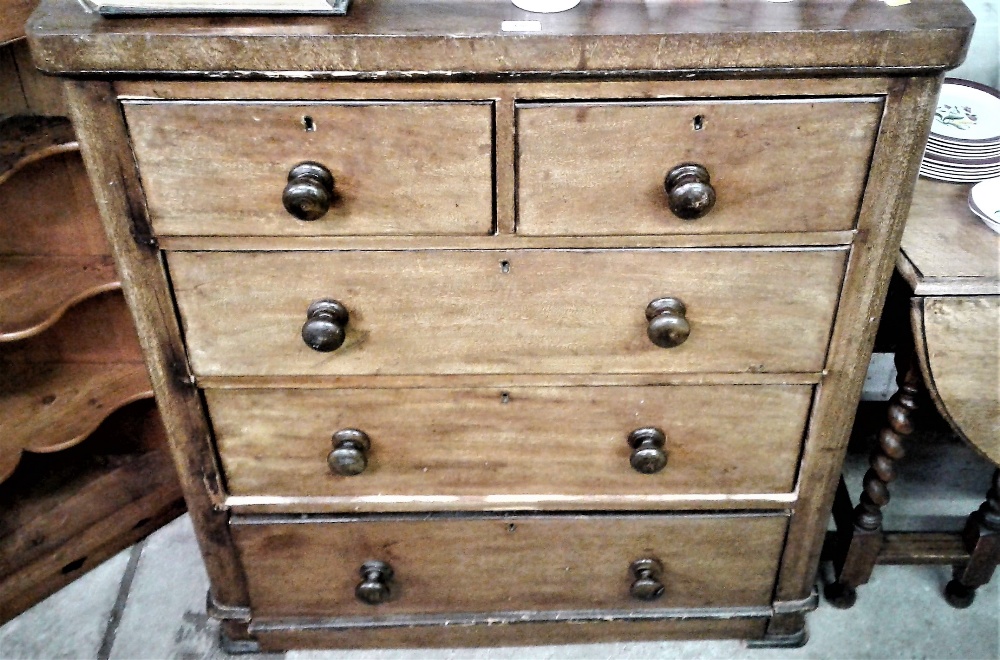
pixel 967 113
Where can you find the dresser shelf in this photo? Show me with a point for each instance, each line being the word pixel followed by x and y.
pixel 37 291
pixel 84 466
pixel 52 407
pixel 25 139
pixel 62 515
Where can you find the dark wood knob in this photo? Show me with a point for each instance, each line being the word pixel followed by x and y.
pixel 668 325
pixel 350 452
pixel 689 191
pixel 648 455
pixel 647 573
pixel 374 588
pixel 325 326
pixel 309 191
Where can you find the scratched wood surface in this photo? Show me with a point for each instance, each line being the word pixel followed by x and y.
pixel 281 634
pixel 398 168
pixel 553 311
pixel 503 447
pixel 429 36
pixel 946 248
pixel 509 563
pixel 959 354
pixel 595 167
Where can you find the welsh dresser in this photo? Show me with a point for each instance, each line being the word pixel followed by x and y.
pixel 473 326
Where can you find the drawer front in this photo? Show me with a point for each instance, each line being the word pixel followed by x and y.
pixel 504 312
pixel 220 169
pixel 507 564
pixel 492 447
pixel 775 166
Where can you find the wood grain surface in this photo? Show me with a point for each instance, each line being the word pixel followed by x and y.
pixel 278 635
pixel 504 447
pixel 98 121
pixel 398 168
pixel 47 207
pixel 62 515
pixel 947 249
pixel 13 15
pixel 960 358
pixel 599 167
pixel 428 37
pixel 47 408
pixel 36 291
pixel 902 133
pixel 554 311
pixel 509 563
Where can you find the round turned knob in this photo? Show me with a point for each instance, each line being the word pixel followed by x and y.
pixel 374 587
pixel 648 455
pixel 689 192
pixel 309 191
pixel 350 452
pixel 325 326
pixel 647 573
pixel 668 327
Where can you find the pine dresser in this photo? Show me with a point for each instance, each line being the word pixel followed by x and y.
pixel 473 326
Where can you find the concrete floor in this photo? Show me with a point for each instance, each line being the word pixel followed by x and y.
pixel 149 601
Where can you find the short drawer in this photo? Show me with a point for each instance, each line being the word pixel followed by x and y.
pixel 312 567
pixel 221 168
pixel 482 448
pixel 599 168
pixel 508 311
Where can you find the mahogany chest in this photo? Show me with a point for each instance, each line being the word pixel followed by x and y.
pixel 469 335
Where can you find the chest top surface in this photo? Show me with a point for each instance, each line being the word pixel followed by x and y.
pixel 441 37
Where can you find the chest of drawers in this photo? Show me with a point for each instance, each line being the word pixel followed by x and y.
pixel 465 336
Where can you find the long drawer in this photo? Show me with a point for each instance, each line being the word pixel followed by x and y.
pixel 601 168
pixel 506 447
pixel 313 567
pixel 509 311
pixel 400 168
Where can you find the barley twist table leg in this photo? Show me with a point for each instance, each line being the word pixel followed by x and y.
pixel 866 536
pixel 982 540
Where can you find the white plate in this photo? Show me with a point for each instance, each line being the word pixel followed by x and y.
pixel 967 112
pixel 952 178
pixel 960 152
pixel 984 173
pixel 984 198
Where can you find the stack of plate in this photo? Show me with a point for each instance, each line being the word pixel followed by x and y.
pixel 984 200
pixel 964 144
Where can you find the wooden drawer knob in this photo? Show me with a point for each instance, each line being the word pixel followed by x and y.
pixel 668 325
pixel 309 191
pixel 689 191
pixel 648 456
pixel 374 588
pixel 647 573
pixel 350 452
pixel 325 326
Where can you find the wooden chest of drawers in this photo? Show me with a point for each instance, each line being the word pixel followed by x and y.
pixel 467 336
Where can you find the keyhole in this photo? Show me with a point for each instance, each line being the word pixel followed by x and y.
pixel 308 124
pixel 504 266
pixel 504 397
pixel 699 122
